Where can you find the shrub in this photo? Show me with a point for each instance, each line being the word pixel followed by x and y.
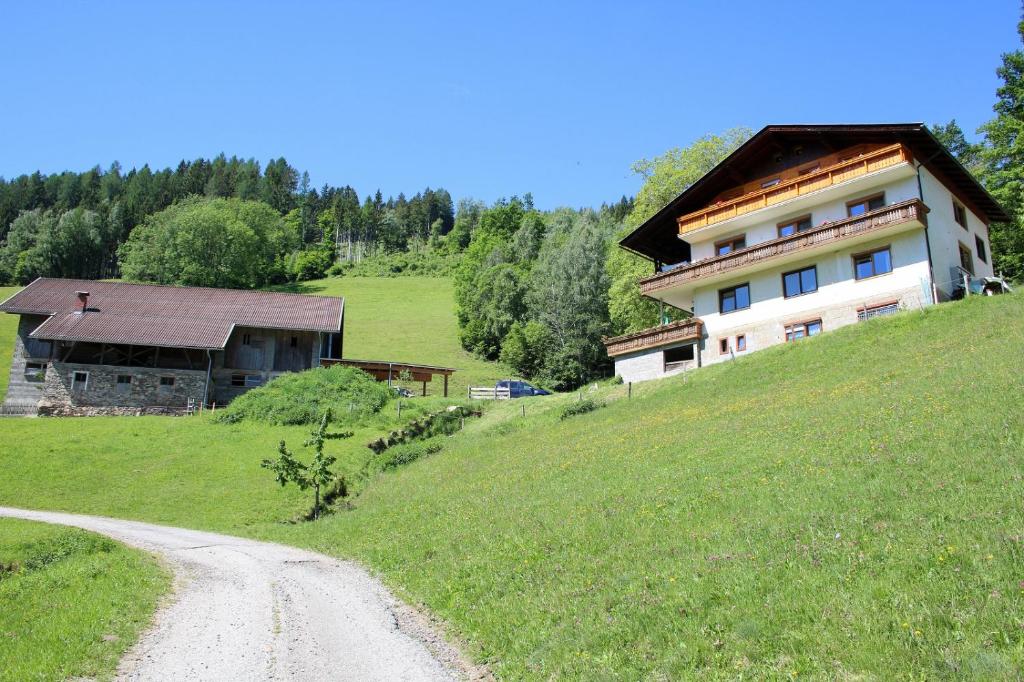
pixel 303 397
pixel 579 407
pixel 399 455
pixel 311 263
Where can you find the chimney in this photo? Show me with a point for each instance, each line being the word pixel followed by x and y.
pixel 83 296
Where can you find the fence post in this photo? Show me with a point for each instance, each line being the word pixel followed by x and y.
pixel 524 409
pixel 630 390
pixel 399 409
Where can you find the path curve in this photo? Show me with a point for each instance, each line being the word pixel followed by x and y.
pixel 248 610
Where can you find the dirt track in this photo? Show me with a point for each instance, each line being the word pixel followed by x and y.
pixel 247 610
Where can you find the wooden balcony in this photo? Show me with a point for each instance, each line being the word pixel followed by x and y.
pixel 789 188
pixel 674 332
pixel 826 233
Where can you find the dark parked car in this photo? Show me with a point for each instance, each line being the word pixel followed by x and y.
pixel 520 389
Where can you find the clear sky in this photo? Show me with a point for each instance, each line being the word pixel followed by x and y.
pixel 484 99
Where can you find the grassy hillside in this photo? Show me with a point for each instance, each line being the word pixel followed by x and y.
pixel 73 601
pixel 845 507
pixel 407 319
pixel 848 506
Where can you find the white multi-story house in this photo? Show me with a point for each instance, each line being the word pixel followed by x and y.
pixel 803 229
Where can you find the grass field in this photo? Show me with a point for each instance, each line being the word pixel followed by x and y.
pixel 847 507
pixel 406 319
pixel 72 601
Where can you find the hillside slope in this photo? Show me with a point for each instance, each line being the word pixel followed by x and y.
pixel 406 319
pixel 848 507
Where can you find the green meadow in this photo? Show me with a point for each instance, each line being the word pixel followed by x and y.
pixel 848 506
pixel 73 602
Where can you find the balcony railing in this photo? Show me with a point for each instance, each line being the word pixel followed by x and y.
pixel 683 330
pixel 903 212
pixel 813 181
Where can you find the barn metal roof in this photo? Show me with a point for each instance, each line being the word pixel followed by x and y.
pixel 179 317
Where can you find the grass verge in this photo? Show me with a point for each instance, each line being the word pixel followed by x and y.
pixel 72 602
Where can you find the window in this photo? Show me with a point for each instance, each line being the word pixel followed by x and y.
pixel 979 244
pixel 794 226
pixel 35 371
pixel 730 245
pixel 723 345
pixel 878 311
pixel 166 382
pixel 295 342
pixel 770 183
pixel 872 263
pixel 677 356
pixel 959 214
pixel 246 339
pixel 124 383
pixel 966 259
pixel 79 381
pixel 741 342
pixel 238 380
pixel 802 329
pixel 810 169
pixel 856 208
pixel 734 298
pixel 800 282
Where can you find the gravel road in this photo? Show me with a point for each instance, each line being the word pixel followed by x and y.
pixel 247 610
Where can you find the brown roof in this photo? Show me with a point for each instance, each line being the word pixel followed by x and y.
pixel 657 239
pixel 180 317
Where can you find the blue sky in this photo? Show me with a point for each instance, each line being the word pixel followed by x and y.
pixel 557 99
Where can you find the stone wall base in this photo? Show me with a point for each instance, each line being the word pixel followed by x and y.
pixel 106 411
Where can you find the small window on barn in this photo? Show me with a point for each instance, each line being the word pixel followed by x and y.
pixel 246 339
pixel 79 381
pixel 295 342
pixel 124 383
pixel 770 183
pixel 35 371
pixel 238 380
pixel 723 345
pixel 741 342
pixel 166 383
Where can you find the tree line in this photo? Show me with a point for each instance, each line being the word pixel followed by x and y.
pixel 73 224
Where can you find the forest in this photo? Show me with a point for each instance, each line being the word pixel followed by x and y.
pixel 73 224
